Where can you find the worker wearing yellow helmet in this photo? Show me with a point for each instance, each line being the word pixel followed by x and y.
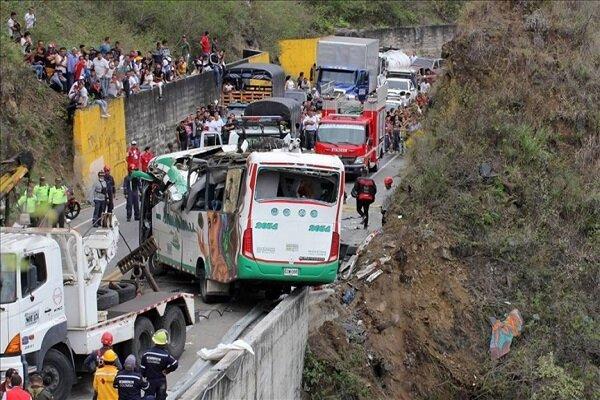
pixel 156 363
pixel 105 376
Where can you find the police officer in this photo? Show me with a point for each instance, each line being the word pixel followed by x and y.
pixel 27 203
pixel 130 383
pixel 57 198
pixel 364 191
pixel 157 363
pixel 42 191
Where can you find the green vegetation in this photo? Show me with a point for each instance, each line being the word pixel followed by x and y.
pixel 522 94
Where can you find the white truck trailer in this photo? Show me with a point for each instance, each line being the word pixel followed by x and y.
pixel 49 317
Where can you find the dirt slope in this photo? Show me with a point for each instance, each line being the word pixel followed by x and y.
pixel 521 97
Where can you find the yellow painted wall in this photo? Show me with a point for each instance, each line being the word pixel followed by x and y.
pixel 98 142
pixel 297 55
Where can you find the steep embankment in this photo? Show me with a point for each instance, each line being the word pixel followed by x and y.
pixel 521 96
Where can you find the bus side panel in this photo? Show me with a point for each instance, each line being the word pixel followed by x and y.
pixel 220 241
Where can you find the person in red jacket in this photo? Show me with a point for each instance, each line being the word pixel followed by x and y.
pixel 134 155
pixel 364 191
pixel 145 158
pixel 16 391
pixel 79 69
pixel 205 44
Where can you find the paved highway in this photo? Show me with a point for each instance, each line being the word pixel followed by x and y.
pixel 207 332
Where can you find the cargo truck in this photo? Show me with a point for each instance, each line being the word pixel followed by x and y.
pixel 351 63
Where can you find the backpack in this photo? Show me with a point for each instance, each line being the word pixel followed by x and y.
pixel 366 190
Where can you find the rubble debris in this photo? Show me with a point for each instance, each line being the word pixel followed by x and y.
pixel 366 270
pixel 222 349
pixel 385 259
pixel 348 296
pixel 374 275
pixel 503 333
pixel 355 330
pixel 401 257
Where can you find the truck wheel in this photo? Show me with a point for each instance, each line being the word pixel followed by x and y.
pixel 125 290
pixel 142 337
pixel 106 298
pixel 58 368
pixel 174 322
pixel 154 266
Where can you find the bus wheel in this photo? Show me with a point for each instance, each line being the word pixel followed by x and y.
pixel 207 298
pixel 58 368
pixel 155 266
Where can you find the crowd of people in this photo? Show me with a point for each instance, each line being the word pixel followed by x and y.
pixel 90 75
pixel 112 380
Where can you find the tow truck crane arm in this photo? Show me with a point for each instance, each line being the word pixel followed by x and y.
pixel 12 171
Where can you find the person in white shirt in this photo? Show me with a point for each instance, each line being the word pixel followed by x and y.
pixel 424 87
pixel 12 25
pixel 101 66
pixel 289 83
pixel 29 19
pixel 310 124
pixel 134 82
pixel 218 122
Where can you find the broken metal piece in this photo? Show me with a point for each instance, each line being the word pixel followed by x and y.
pixel 374 275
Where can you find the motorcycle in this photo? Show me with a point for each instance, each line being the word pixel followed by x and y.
pixel 73 207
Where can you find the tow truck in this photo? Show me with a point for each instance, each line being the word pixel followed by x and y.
pixel 53 311
pixel 354 131
pixel 12 171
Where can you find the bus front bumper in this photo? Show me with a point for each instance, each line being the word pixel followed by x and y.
pixel 249 269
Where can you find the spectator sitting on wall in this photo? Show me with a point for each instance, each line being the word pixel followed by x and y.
pixel 158 79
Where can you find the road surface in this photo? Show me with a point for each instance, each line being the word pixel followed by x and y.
pixel 213 320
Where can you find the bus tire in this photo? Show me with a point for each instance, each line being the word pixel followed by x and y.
pixel 207 298
pixel 174 322
pixel 154 266
pixel 106 298
pixel 142 337
pixel 58 367
pixel 125 290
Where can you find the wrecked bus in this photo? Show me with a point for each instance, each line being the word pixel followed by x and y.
pixel 270 219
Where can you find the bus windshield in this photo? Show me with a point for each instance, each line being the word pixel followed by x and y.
pixel 290 183
pixel 341 134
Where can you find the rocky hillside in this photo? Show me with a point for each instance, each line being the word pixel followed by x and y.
pixel 501 209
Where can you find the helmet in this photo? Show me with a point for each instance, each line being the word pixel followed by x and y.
pixel 388 181
pixel 132 167
pixel 109 356
pixel 160 337
pixel 107 339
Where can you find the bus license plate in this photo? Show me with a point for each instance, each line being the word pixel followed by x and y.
pixel 290 271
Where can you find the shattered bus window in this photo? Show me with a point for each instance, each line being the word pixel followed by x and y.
pixel 273 183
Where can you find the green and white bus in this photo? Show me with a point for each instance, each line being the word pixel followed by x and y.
pixel 267 218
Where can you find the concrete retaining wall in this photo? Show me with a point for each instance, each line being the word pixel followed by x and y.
pixel 152 122
pixel 423 40
pixel 275 370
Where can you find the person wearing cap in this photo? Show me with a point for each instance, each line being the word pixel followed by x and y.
pixel 129 382
pixel 99 197
pixel 57 197
pixel 110 190
pixel 131 190
pixel 94 359
pixel 133 155
pixel 156 363
pixel 104 377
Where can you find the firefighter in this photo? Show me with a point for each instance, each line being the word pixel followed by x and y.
pixel 94 360
pixel 130 383
pixel 364 191
pixel 156 363
pixel 388 182
pixel 104 377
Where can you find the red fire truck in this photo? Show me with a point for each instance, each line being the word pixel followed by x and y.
pixel 354 131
